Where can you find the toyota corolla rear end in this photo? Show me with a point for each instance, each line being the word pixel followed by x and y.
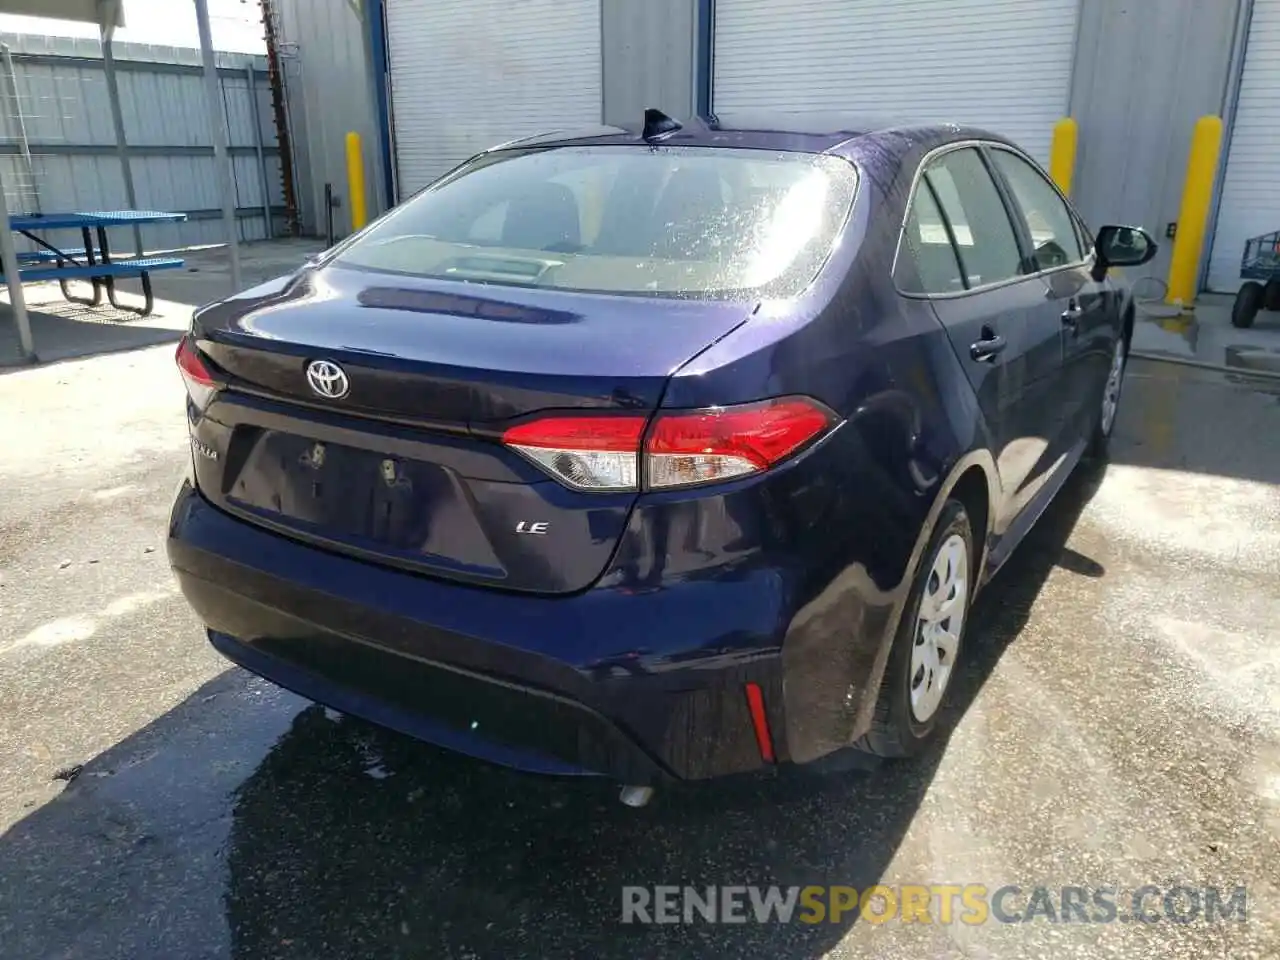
pixel 435 483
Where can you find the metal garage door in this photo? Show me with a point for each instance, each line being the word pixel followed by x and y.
pixel 468 74
pixel 1250 203
pixel 1000 64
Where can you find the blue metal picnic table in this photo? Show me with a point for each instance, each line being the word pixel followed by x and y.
pixel 93 261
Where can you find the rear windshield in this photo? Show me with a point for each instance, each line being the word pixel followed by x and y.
pixel 654 221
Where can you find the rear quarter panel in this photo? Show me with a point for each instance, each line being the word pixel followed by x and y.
pixel 850 517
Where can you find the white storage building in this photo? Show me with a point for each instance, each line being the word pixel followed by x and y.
pixel 443 79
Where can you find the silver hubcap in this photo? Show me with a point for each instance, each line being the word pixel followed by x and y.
pixel 1111 395
pixel 938 626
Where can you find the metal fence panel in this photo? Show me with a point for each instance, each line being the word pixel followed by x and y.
pixel 55 108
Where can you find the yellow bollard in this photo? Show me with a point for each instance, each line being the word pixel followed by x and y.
pixel 1197 192
pixel 1062 155
pixel 355 182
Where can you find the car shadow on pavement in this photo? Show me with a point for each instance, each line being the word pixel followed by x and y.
pixel 348 841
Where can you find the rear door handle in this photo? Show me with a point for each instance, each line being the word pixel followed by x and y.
pixel 987 349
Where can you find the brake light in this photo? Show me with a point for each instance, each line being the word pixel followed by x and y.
pixel 200 383
pixel 598 453
pixel 602 452
pixel 726 442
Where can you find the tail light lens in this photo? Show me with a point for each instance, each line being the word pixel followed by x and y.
pixel 727 442
pixel 598 453
pixel 200 383
pixel 685 448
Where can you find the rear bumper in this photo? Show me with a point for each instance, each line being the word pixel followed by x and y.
pixel 565 685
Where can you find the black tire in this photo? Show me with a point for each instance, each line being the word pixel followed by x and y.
pixel 1099 448
pixel 1249 301
pixel 1271 294
pixel 895 732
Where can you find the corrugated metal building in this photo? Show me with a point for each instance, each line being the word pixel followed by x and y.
pixel 445 78
pixel 507 73
pixel 324 56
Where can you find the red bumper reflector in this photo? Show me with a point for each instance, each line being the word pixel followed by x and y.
pixel 755 700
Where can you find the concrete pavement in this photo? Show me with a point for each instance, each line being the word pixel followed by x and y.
pixel 1118 723
pixel 1205 335
pixel 63 330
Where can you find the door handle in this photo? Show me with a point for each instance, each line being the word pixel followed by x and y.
pixel 988 348
pixel 1071 316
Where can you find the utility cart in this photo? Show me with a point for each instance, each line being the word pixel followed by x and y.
pixel 1260 269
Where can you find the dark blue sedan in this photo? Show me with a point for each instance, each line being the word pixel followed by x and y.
pixel 671 452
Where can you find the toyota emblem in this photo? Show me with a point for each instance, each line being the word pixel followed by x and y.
pixel 328 379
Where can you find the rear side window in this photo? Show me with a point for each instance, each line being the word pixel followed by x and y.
pixel 654 221
pixel 926 241
pixel 985 240
pixel 1053 230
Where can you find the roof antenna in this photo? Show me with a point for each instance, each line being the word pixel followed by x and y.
pixel 657 124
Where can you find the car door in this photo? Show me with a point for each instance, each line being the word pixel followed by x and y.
pixel 1078 310
pixel 968 262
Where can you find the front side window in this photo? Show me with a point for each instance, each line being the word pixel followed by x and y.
pixel 655 221
pixel 985 240
pixel 1054 235
pixel 1085 235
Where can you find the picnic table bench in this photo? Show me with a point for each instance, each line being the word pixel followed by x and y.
pixel 92 261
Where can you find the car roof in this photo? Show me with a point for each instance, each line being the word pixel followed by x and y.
pixel 802 133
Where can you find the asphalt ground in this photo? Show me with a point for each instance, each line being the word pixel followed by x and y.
pixel 1116 725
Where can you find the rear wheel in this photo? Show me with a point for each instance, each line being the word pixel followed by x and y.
pixel 1249 301
pixel 926 649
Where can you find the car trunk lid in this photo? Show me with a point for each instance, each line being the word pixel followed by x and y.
pixel 406 467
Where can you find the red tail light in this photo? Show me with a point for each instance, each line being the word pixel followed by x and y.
pixel 726 442
pixel 588 453
pixel 602 453
pixel 200 383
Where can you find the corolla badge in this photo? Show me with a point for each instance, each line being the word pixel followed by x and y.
pixel 328 379
pixel 203 449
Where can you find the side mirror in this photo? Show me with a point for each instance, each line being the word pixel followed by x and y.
pixel 1118 246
